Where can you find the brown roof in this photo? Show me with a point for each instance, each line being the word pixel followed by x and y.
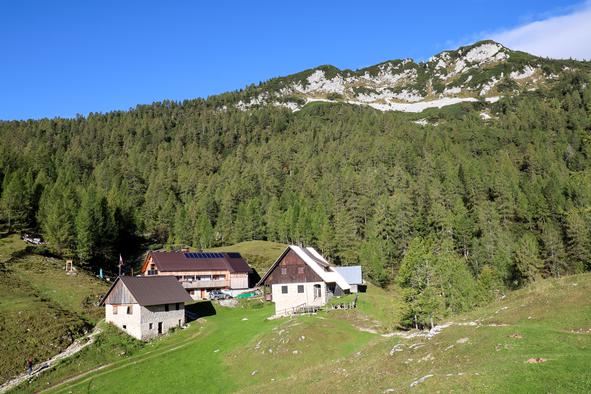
pixel 202 261
pixel 153 290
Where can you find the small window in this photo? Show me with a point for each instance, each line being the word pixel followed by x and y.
pixel 300 288
pixel 151 325
pixel 114 309
pixel 129 310
pixel 165 307
pixel 178 306
pixel 317 291
pixel 283 271
pixel 284 289
pixel 300 270
pixel 124 327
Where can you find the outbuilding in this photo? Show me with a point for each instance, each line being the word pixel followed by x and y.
pixel 145 307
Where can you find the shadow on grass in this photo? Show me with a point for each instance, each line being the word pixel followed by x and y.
pixel 199 309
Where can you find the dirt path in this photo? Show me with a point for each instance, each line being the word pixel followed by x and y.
pixel 112 367
pixel 38 369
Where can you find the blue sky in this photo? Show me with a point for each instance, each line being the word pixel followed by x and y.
pixel 62 58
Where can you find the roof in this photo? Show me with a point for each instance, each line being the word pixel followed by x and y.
pixel 351 274
pixel 315 261
pixel 152 290
pixel 202 261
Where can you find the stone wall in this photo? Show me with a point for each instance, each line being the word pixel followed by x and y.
pixel 143 321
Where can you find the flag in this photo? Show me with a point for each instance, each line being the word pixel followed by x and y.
pixel 120 263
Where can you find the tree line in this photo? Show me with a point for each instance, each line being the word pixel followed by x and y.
pixel 454 213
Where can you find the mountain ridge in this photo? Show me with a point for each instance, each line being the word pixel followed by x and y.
pixel 485 70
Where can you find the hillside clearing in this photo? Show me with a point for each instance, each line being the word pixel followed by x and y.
pixel 42 310
pixel 486 350
pixel 259 254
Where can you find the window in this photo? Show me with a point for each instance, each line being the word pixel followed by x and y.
pixel 300 270
pixel 151 325
pixel 165 307
pixel 317 291
pixel 300 288
pixel 114 309
pixel 178 306
pixel 124 327
pixel 284 289
pixel 129 310
pixel 283 271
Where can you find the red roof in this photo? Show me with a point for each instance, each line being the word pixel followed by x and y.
pixel 202 261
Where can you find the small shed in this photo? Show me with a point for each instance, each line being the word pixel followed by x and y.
pixel 353 276
pixel 145 307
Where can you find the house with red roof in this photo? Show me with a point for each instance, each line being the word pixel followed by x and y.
pixel 200 272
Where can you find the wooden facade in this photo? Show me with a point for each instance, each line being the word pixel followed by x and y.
pixel 291 269
pixel 120 294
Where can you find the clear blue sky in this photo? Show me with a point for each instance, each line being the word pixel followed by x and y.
pixel 61 58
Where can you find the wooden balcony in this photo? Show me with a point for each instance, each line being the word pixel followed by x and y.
pixel 204 284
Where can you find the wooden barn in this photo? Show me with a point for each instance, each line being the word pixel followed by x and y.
pixel 301 278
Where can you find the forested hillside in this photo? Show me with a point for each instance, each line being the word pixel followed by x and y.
pixel 474 199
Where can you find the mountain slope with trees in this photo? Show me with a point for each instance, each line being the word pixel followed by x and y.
pixel 455 205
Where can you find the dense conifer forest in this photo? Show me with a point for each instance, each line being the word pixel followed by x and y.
pixel 455 211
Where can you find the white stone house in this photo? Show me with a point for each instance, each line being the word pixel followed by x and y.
pixel 145 307
pixel 302 279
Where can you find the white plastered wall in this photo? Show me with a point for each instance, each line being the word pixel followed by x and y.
pixel 285 302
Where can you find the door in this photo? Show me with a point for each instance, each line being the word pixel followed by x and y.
pixel 159 327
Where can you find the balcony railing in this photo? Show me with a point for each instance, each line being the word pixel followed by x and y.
pixel 204 284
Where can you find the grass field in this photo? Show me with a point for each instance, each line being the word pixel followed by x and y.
pixel 238 350
pixel 41 309
pixel 259 254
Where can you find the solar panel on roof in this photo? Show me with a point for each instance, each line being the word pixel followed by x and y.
pixel 234 255
pixel 188 255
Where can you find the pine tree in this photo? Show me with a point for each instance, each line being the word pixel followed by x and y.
pixel 527 259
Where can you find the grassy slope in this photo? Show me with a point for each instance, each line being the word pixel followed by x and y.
pixel 327 352
pixel 551 320
pixel 41 308
pixel 222 353
pixel 259 254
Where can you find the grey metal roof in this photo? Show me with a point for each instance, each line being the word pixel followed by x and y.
pixel 352 274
